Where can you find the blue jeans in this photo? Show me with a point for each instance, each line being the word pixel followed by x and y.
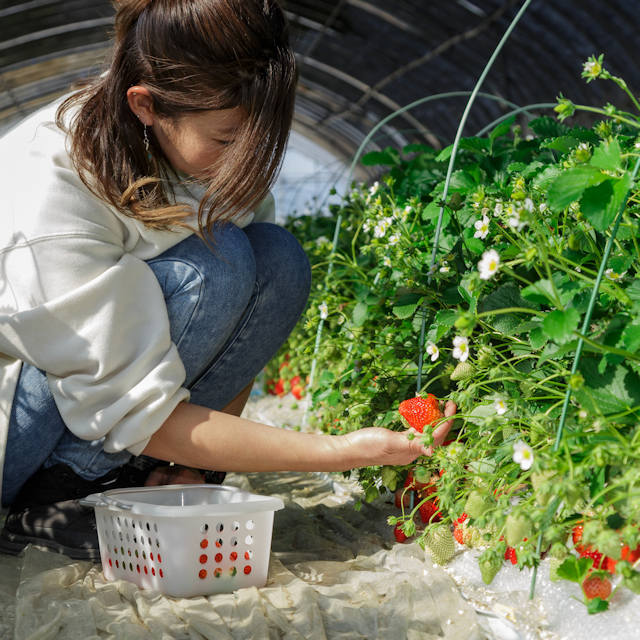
pixel 230 309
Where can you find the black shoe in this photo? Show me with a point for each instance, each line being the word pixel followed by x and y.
pixel 214 477
pixel 46 512
pixel 141 465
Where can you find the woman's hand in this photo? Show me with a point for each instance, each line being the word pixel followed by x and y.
pixel 379 446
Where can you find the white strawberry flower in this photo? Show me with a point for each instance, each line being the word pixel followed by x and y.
pixel 489 264
pixel 324 310
pixel 394 239
pixel 482 228
pixel 497 211
pixel 374 188
pixel 500 406
pixel 460 348
pixel 433 351
pixel 386 261
pixel 514 220
pixel 528 205
pixel 445 268
pixel 382 227
pixel 613 275
pixel 523 455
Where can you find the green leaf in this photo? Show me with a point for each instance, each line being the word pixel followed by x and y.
pixel 432 211
pixel 560 325
pixel 570 185
pixel 615 390
pixel 564 144
pixel 575 569
pixel 595 204
pixel 404 311
pixel 601 204
pixel 537 338
pixel 516 167
pixel 502 129
pixel 480 413
pixel 607 156
pixel 446 318
pixel 389 156
pixel 542 291
pixel 462 181
pixel 633 290
pixel 547 127
pixel 478 145
pixel 360 312
pixel 390 478
pixel 631 337
pixel 545 178
pixel 596 485
pixel 505 296
pixel 597 605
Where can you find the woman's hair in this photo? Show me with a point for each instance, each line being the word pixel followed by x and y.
pixel 192 55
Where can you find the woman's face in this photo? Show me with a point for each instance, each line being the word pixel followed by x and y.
pixel 193 142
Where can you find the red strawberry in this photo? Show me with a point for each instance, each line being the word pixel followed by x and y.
pixel 590 552
pixel 458 534
pixel 630 556
pixel 429 511
pixel 596 587
pixel 609 564
pixel 576 536
pixel 278 389
pixel 419 412
pixel 297 388
pixel 399 533
pixel 510 554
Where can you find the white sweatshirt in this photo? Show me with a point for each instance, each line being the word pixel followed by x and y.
pixel 77 298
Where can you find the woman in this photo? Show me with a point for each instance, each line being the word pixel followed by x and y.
pixel 143 282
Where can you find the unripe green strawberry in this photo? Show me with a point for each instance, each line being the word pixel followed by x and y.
pixel 473 537
pixel 554 563
pixel 543 486
pixel 440 543
pixel 476 504
pixel 517 527
pixel 462 371
pixel 484 356
pixel 559 551
pixel 490 563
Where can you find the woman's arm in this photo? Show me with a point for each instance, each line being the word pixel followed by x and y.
pixel 195 436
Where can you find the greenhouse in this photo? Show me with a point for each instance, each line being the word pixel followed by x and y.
pixel 319 319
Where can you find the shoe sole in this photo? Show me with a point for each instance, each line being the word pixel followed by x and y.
pixel 13 544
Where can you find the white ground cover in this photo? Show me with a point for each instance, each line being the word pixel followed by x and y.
pixel 335 573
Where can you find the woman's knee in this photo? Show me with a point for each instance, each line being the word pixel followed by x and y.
pixel 222 267
pixel 281 262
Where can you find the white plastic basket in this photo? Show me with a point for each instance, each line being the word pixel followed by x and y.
pixel 185 540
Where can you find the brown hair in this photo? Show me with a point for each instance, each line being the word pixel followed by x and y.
pixel 192 55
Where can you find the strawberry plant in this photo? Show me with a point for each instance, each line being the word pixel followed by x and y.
pixel 531 211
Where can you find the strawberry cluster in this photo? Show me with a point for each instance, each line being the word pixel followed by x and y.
pixel 283 385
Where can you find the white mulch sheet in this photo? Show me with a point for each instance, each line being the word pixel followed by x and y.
pixel 335 573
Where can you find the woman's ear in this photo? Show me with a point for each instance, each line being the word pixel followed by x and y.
pixel 141 104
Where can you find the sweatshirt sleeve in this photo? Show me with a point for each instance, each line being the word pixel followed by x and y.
pixel 95 320
pixel 266 210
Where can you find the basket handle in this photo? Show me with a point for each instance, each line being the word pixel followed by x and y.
pixel 100 500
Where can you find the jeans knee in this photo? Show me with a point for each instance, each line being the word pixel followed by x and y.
pixel 235 265
pixel 282 263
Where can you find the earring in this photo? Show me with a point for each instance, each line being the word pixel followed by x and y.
pixel 146 143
